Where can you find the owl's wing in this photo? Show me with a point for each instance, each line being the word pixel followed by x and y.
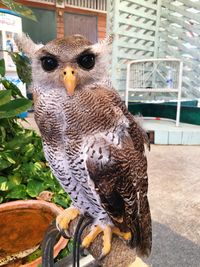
pixel 121 182
pixel 137 133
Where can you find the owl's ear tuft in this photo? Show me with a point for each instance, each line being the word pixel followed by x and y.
pixel 104 46
pixel 109 39
pixel 24 43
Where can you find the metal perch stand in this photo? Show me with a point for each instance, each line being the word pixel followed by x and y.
pixel 120 256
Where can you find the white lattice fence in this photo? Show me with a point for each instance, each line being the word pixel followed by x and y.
pixel 156 28
pixel 133 23
pixel 180 37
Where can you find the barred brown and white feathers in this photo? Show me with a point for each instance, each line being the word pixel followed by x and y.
pixel 93 145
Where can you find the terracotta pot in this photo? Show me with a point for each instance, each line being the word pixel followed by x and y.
pixel 23 225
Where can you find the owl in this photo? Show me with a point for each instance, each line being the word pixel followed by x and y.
pixel 94 146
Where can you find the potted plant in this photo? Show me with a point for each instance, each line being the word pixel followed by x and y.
pixel 22 228
pixel 24 175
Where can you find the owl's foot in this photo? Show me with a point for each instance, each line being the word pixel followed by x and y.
pixel 107 237
pixel 63 219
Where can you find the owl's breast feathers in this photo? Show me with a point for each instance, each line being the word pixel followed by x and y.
pixel 113 144
pixel 88 112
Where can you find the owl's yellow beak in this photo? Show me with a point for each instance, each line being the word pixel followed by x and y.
pixel 70 80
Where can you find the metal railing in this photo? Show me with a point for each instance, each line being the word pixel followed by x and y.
pixel 48 2
pixel 96 5
pixel 161 75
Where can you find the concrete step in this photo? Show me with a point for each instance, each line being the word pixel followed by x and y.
pixel 165 132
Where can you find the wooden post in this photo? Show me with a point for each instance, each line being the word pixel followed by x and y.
pixel 60 22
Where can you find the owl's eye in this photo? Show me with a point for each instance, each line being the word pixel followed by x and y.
pixel 86 61
pixel 49 63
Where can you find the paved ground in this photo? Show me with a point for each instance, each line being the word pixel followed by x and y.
pixel 174 194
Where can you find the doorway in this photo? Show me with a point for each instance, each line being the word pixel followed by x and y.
pixel 85 25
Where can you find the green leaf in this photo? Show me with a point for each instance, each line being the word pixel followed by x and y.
pixel 65 252
pixel 5 96
pixel 2 134
pixel 29 151
pixel 20 9
pixel 1 199
pixel 33 256
pixel 9 159
pixel 38 166
pixel 18 192
pixel 6 184
pixel 4 164
pixel 60 190
pixel 2 179
pixel 14 108
pixel 23 67
pixel 2 67
pixel 3 184
pixel 50 183
pixel 16 143
pixel 34 187
pixel 61 200
pixel 11 86
pixel 15 179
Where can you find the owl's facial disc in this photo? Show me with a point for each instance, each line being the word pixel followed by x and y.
pixel 70 80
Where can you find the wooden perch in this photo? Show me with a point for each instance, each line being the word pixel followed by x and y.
pixel 121 255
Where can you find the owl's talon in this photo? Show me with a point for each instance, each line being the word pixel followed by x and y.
pixel 125 235
pixel 64 218
pixel 107 237
pixel 91 236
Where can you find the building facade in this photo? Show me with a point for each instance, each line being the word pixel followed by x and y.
pixel 59 18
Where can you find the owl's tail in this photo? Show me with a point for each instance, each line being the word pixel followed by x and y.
pixel 142 238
